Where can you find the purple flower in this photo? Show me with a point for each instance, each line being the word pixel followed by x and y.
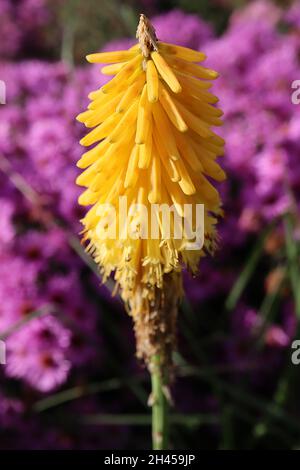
pixel 179 28
pixel 293 15
pixel 7 232
pixel 276 337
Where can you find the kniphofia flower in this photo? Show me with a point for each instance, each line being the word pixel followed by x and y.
pixel 152 126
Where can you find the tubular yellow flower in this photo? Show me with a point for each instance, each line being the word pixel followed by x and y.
pixel 154 145
pixel 152 82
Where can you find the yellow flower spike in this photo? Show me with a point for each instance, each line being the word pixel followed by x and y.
pixel 181 52
pixel 152 82
pixel 154 145
pixel 166 72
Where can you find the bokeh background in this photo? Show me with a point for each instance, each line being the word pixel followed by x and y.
pixel 71 380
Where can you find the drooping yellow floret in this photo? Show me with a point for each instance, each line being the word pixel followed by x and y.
pixel 182 52
pixel 154 146
pixel 111 57
pixel 152 82
pixel 171 110
pixel 166 72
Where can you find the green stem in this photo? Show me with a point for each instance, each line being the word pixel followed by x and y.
pixel 159 406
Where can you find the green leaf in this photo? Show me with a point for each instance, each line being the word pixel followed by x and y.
pixel 247 272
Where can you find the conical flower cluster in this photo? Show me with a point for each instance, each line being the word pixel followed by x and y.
pixel 154 145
